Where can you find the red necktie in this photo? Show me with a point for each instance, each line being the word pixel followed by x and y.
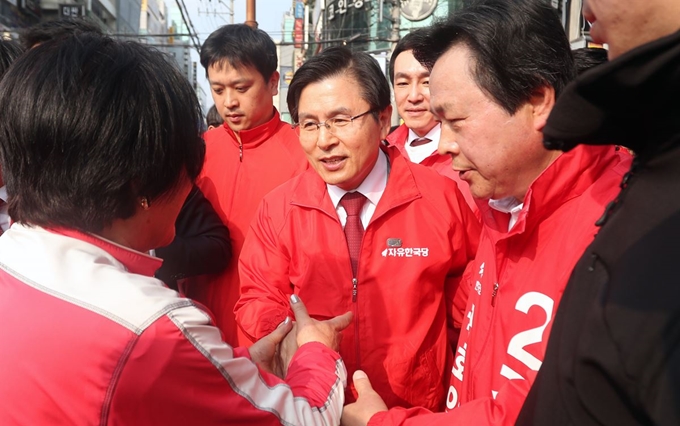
pixel 353 202
pixel 420 141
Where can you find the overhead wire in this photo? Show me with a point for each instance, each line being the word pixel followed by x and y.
pixel 190 26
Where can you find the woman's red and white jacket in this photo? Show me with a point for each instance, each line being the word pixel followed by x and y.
pixel 413 253
pixel 89 337
pixel 515 284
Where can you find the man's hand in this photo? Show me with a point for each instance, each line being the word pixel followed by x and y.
pixel 311 330
pixel 274 351
pixel 263 352
pixel 368 402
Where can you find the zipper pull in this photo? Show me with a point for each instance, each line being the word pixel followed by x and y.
pixel 354 289
pixel 240 152
pixel 607 212
pixel 493 295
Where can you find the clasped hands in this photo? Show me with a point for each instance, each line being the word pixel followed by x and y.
pixel 274 352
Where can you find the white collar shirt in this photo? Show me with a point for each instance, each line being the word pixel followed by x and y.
pixel 419 153
pixel 372 188
pixel 510 205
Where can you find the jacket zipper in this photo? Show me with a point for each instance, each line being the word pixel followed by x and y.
pixel 355 281
pixel 502 268
pixel 355 292
pixel 355 296
pixel 240 151
pixel 609 209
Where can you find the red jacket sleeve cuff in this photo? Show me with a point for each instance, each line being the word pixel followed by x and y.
pixel 242 353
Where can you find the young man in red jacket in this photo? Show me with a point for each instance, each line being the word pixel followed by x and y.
pixel 417 139
pixel 251 154
pixel 364 230
pixel 498 67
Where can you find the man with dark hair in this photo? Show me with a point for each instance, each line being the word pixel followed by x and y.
pixel 251 154
pixel 56 29
pixel 365 230
pixel 613 357
pixel 498 67
pixel 417 139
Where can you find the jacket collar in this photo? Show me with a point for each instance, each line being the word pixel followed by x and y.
pixel 401 188
pixel 401 135
pixel 398 138
pixel 567 177
pixel 134 261
pixel 630 101
pixel 254 137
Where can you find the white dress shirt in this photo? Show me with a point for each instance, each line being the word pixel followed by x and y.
pixel 509 205
pixel 372 188
pixel 418 153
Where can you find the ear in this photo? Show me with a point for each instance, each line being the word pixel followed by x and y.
pixel 274 83
pixel 542 102
pixel 385 119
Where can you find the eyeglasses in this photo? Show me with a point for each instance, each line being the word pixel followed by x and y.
pixel 308 128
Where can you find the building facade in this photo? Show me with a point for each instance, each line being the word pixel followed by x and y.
pixel 16 14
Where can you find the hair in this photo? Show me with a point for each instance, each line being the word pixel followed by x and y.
pixel 88 125
pixel 518 46
pixel 336 61
pixel 9 51
pixel 213 118
pixel 57 29
pixel 408 42
pixel 240 46
pixel 586 58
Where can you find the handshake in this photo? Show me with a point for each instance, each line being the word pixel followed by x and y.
pixel 274 351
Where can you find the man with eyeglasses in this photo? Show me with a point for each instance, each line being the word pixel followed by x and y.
pixel 363 230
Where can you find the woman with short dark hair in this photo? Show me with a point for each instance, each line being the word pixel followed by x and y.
pixel 100 144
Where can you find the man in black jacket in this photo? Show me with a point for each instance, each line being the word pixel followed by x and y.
pixel 613 356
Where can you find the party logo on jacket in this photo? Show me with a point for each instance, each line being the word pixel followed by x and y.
pixel 395 249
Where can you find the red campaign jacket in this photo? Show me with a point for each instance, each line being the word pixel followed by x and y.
pixel 515 284
pixel 440 163
pixel 234 179
pixel 403 297
pixel 89 337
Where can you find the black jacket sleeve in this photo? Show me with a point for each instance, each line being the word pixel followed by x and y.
pixel 201 244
